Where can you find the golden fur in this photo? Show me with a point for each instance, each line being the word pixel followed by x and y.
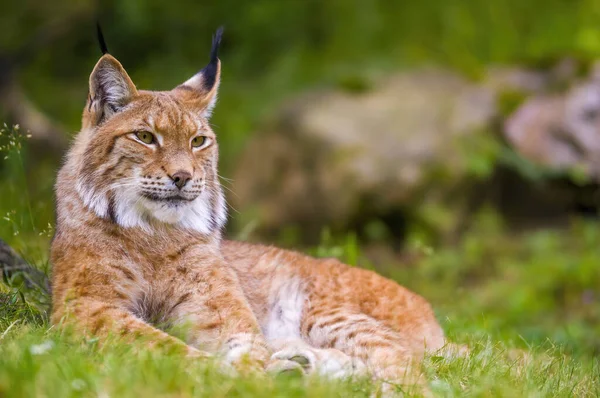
pixel 137 249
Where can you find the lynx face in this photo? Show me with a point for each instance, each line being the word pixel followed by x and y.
pixel 150 158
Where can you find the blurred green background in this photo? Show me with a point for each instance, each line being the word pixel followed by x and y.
pixel 275 49
pixel 488 276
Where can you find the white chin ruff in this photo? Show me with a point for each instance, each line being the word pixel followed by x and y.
pixel 204 214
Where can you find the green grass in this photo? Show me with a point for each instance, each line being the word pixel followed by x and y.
pixel 35 361
pixel 42 362
pixel 527 307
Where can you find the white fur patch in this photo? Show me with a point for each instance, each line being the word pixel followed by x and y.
pixel 204 214
pixel 195 81
pixel 207 112
pixel 285 312
pixel 92 200
pixel 220 210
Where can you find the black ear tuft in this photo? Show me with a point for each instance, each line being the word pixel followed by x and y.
pixel 216 42
pixel 101 41
pixel 200 91
pixel 209 72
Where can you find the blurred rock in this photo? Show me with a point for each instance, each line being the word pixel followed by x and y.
pixel 512 78
pixel 335 158
pixel 532 81
pixel 424 148
pixel 561 131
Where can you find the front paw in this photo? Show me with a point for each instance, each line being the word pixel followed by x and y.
pixel 248 366
pixel 284 367
pixel 329 363
pixel 246 354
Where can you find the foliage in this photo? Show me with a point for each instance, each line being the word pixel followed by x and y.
pixel 272 49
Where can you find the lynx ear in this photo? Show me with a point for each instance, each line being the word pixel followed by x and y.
pixel 110 89
pixel 200 91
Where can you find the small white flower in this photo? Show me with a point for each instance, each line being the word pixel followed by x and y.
pixel 78 384
pixel 441 386
pixel 40 349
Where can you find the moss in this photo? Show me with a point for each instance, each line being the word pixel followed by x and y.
pixel 509 101
pixel 354 84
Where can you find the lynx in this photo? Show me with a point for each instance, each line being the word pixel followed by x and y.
pixel 138 249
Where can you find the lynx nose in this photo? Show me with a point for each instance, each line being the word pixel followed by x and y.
pixel 181 178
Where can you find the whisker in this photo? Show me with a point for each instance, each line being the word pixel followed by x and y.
pixel 225 178
pixel 231 207
pixel 230 190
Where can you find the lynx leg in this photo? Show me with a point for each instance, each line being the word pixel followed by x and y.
pixel 105 319
pixel 235 339
pixel 217 317
pixel 360 336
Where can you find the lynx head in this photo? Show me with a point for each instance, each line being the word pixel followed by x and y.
pixel 147 158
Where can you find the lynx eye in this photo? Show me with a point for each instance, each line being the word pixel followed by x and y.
pixel 145 136
pixel 199 141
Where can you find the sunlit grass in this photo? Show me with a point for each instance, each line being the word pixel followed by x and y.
pixel 41 361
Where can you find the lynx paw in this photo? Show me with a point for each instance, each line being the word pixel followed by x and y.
pixel 329 363
pixel 284 367
pixel 246 354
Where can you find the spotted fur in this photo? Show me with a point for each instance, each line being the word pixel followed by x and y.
pixel 342 320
